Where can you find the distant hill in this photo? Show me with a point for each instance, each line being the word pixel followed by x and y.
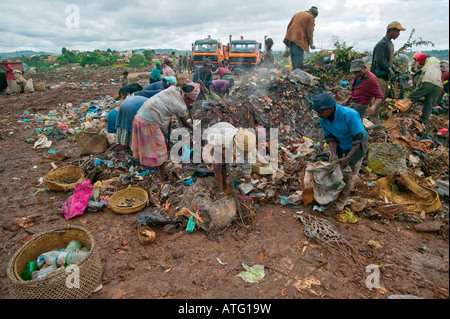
pixel 18 54
pixel 440 54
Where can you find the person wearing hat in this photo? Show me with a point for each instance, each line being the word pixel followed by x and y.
pixel 429 86
pixel 269 59
pixel 238 143
pixel 345 134
pixel 383 59
pixel 155 75
pixel 300 36
pixel 365 89
pixel 203 76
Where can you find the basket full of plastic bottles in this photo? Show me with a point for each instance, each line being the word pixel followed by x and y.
pixel 62 263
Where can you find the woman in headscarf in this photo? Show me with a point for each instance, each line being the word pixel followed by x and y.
pixel 151 123
pixel 125 116
pixel 168 68
pixel 155 75
pixel 157 87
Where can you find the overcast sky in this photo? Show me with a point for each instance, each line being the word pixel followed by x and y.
pixel 174 24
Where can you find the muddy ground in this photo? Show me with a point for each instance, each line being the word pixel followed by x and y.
pixel 185 265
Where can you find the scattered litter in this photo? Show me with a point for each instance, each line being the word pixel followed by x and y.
pixel 253 274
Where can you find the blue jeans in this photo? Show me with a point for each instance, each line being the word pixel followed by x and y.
pixel 297 55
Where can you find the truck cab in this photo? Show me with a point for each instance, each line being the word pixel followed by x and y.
pixel 209 49
pixel 244 53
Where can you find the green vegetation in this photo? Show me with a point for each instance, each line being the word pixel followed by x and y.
pixel 94 59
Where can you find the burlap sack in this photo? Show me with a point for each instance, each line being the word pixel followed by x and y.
pixel 91 141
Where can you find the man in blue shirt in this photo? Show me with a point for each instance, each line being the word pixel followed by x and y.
pixel 203 75
pixel 345 133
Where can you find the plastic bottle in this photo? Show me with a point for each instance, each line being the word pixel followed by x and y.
pixel 43 272
pixel 50 257
pixel 94 206
pixel 76 256
pixel 74 245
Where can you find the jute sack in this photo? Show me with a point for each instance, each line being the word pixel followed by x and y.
pixel 91 141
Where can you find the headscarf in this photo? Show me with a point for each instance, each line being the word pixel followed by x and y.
pixel 194 93
pixel 323 102
pixel 170 79
pixel 421 57
pixel 416 54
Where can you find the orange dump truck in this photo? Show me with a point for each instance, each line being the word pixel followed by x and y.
pixel 244 53
pixel 209 49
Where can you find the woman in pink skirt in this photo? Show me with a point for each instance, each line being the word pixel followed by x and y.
pixel 151 123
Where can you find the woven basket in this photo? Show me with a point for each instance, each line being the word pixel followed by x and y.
pixel 55 285
pixel 140 196
pixel 55 177
pixel 91 141
pixel 386 158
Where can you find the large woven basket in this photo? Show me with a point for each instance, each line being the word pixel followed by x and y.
pixel 387 158
pixel 59 284
pixel 140 196
pixel 55 177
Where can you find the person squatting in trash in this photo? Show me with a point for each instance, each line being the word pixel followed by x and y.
pixel 12 86
pixel 221 88
pixel 429 84
pixel 365 89
pixel 203 76
pixel 241 145
pixel 155 74
pixel 124 80
pixel 345 134
pixel 300 36
pixel 152 121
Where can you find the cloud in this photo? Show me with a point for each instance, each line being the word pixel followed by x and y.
pixel 43 25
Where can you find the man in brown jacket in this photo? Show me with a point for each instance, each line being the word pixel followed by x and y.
pixel 299 35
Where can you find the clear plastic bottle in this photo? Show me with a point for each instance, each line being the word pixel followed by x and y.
pixel 43 272
pixel 76 256
pixel 50 257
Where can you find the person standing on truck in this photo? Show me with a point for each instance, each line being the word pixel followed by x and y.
pixel 203 76
pixel 383 61
pixel 299 36
pixel 269 59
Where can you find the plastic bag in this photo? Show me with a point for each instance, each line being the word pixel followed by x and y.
pixel 327 181
pixel 77 203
